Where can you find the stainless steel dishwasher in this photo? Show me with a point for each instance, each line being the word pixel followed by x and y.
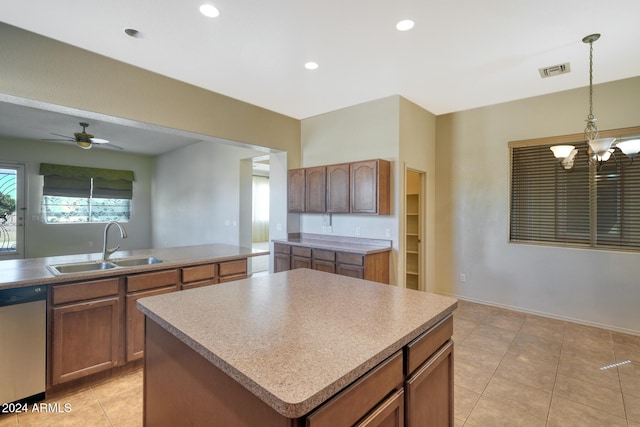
pixel 23 328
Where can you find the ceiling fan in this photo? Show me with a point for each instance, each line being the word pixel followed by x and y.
pixel 85 140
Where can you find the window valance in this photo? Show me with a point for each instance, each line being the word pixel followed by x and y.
pixel 76 181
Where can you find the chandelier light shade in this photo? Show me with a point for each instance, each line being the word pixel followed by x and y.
pixel 630 147
pixel 599 150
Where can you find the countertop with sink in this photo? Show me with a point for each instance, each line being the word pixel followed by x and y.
pixel 35 271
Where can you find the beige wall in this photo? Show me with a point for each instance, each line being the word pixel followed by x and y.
pixel 472 201
pixel 37 68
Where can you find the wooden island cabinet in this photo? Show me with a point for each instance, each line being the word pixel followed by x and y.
pixel 400 376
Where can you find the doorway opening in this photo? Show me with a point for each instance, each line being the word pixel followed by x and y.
pixel 260 213
pixel 414 229
pixel 11 211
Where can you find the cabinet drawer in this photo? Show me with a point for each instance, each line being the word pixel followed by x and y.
pixel 428 343
pixel 230 268
pixel 63 294
pixel 361 397
pixel 326 266
pixel 346 258
pixel 300 262
pixel 152 280
pixel 323 255
pixel 224 279
pixel 279 248
pixel 198 273
pixel 301 251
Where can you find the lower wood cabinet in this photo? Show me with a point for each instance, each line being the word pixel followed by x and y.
pixel 430 391
pixel 95 325
pixel 140 286
pixel 373 266
pixel 85 329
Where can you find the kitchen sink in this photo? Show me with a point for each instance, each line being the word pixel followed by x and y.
pixel 132 262
pixel 85 267
pixel 80 267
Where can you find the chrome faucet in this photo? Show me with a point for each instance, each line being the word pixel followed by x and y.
pixel 107 252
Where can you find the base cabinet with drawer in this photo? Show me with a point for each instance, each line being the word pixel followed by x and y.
pixel 95 325
pixel 371 266
pixel 140 286
pixel 85 329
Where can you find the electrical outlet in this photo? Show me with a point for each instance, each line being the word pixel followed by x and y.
pixel 278 227
pixel 463 278
pixel 324 228
pixel 90 243
pixel 387 232
pixel 357 231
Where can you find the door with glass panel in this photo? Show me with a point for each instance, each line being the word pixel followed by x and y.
pixel 12 211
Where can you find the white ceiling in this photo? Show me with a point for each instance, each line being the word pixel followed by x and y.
pixel 461 54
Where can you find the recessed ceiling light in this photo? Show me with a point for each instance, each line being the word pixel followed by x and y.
pixel 311 65
pixel 209 10
pixel 405 25
pixel 132 32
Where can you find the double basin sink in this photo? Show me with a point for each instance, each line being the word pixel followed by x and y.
pixel 84 267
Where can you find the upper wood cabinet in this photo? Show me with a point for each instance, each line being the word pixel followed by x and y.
pixel 359 188
pixel 338 188
pixel 295 190
pixel 315 189
pixel 370 187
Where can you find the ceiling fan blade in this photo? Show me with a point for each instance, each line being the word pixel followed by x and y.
pixel 64 136
pixel 110 145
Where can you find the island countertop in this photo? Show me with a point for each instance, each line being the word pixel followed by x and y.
pixel 33 271
pixel 296 338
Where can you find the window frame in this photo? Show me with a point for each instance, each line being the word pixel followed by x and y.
pixel 593 240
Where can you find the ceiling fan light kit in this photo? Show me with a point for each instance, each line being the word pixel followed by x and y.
pixel 599 150
pixel 83 139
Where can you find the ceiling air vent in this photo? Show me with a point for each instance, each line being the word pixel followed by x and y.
pixel 554 70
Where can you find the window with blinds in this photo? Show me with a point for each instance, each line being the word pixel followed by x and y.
pixel 583 207
pixel 73 194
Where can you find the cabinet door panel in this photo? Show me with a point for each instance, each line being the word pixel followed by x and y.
pixel 300 262
pixel 329 267
pixel 315 189
pixel 429 391
pixel 295 190
pixel 281 262
pixel 85 338
pixel 338 188
pixel 350 270
pixel 135 322
pixel 364 187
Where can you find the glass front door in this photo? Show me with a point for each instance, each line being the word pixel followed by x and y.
pixel 12 211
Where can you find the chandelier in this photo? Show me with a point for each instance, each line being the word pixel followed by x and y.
pixel 599 150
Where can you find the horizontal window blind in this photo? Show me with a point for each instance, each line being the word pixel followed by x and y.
pixel 583 207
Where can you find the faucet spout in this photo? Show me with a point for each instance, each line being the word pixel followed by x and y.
pixel 123 234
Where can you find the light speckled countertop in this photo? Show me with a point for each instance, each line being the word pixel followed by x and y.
pixel 296 338
pixel 33 271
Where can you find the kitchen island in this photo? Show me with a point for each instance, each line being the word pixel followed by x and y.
pixel 298 347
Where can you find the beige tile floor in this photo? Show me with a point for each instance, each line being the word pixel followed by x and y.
pixel 511 369
pixel 515 369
